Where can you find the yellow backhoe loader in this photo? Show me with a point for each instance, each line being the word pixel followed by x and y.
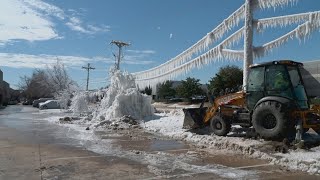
pixel 274 102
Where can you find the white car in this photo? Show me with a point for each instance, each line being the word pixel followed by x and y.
pixel 50 104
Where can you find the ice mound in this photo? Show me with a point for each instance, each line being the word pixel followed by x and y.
pixel 79 103
pixel 123 98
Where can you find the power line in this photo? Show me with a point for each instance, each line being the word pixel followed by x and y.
pixel 88 68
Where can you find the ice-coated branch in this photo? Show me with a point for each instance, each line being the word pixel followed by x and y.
pixel 216 53
pixel 302 31
pixel 203 44
pixel 265 4
pixel 284 21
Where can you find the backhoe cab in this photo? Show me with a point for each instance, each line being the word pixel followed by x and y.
pixel 275 103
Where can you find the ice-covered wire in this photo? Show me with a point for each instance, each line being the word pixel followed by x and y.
pixel 287 20
pixel 202 44
pixel 216 53
pixel 265 4
pixel 302 31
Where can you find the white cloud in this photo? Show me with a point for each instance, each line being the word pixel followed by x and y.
pixel 22 20
pixel 170 36
pixel 45 8
pixel 32 20
pixel 40 61
pixel 77 25
pixel 142 51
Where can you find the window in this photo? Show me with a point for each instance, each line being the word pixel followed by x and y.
pixel 256 79
pixel 294 76
pixel 298 88
pixel 278 82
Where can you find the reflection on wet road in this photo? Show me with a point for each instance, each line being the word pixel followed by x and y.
pixel 66 151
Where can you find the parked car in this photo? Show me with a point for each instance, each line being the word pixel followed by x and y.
pixel 50 104
pixel 14 102
pixel 198 99
pixel 36 102
pixel 175 100
pixel 27 102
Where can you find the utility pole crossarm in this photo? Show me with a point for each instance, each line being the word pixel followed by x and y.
pixel 88 68
pixel 120 44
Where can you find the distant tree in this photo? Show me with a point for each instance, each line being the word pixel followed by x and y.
pixel 35 86
pixel 189 87
pixel 52 81
pixel 148 90
pixel 165 90
pixel 228 79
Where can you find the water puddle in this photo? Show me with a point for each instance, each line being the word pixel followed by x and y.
pixel 165 145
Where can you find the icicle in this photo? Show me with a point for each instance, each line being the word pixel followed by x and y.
pixel 284 21
pixel 198 47
pixel 212 55
pixel 265 4
pixel 302 31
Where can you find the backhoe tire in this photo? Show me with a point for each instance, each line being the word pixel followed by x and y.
pixel 270 121
pixel 220 126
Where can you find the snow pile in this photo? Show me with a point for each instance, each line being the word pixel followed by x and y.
pixel 79 103
pixel 170 124
pixel 123 98
pixel 303 160
pixel 64 98
pixel 95 96
pixel 167 124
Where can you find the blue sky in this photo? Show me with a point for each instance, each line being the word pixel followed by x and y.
pixel 34 33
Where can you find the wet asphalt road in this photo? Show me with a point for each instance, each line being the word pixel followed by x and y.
pixel 33 148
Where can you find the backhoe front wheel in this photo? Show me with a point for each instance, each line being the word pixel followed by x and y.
pixel 270 121
pixel 220 126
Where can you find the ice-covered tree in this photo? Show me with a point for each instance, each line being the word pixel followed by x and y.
pixel 53 81
pixel 58 78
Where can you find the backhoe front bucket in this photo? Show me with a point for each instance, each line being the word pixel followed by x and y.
pixel 193 117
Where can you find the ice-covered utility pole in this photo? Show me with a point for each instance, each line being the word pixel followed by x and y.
pixel 184 63
pixel 120 44
pixel 248 50
pixel 88 68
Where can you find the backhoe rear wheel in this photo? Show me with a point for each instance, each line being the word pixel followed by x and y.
pixel 270 121
pixel 220 126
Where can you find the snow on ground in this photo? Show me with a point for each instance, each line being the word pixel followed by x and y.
pixel 159 163
pixel 184 106
pixel 123 106
pixel 170 124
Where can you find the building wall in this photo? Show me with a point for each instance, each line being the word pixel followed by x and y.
pixel 311 77
pixel 4 90
pixel 1 88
